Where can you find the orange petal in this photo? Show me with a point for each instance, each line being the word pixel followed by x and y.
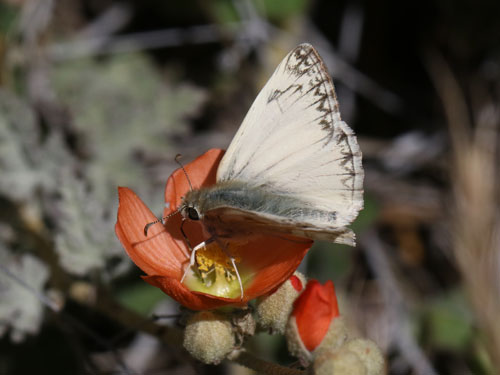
pixel 314 310
pixel 156 254
pixel 273 261
pixel 201 172
pixel 296 283
pixel 163 253
pixel 187 298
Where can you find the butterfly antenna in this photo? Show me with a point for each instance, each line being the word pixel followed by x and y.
pixel 177 159
pixel 146 227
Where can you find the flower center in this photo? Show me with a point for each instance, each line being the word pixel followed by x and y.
pixel 214 272
pixel 213 264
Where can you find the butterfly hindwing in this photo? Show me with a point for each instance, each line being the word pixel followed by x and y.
pixel 234 223
pixel 293 143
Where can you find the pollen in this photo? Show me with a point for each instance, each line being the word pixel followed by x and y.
pixel 213 264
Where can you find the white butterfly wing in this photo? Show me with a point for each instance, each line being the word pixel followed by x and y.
pixel 293 143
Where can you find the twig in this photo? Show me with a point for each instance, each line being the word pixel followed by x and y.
pixel 350 38
pixel 52 305
pixel 56 308
pixel 475 217
pixel 104 45
pixel 111 20
pixel 107 305
pixel 355 80
pixel 394 300
pixel 246 359
pixel 35 17
pixel 172 336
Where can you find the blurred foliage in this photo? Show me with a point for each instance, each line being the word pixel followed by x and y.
pixel 275 10
pixel 20 309
pixel 74 179
pixel 8 16
pixel 29 161
pixel 121 107
pixel 329 261
pixel 139 297
pixel 80 242
pixel 113 123
pixel 72 130
pixel 282 10
pixel 450 321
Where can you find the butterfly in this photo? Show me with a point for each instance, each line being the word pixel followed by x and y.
pixel 293 167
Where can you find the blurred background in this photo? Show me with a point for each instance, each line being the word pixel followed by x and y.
pixel 100 94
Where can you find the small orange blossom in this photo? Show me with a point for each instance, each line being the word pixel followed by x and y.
pixel 266 261
pixel 313 311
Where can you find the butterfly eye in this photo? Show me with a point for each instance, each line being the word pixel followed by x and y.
pixel 193 213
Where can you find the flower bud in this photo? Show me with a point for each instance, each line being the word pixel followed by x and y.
pixel 335 337
pixel 338 362
pixel 369 353
pixel 209 337
pixel 315 321
pixel 273 311
pixel 243 325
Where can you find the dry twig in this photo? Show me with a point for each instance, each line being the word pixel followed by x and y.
pixel 476 216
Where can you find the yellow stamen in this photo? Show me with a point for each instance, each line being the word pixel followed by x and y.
pixel 211 258
pixel 213 271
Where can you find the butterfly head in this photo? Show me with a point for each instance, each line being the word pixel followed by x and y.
pixel 190 208
pixel 191 212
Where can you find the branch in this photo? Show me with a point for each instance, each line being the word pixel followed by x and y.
pixel 395 302
pixel 246 359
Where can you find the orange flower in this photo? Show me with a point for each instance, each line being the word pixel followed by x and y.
pixel 264 262
pixel 314 310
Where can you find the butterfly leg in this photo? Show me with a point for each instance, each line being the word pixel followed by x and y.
pixel 223 246
pixel 184 235
pixel 192 258
pixel 237 275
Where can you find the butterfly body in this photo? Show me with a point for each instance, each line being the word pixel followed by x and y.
pixel 293 167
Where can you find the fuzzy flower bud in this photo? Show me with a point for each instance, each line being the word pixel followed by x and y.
pixel 209 337
pixel 315 321
pixel 339 362
pixel 369 353
pixel 244 325
pixel 273 310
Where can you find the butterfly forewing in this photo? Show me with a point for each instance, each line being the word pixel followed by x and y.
pixel 293 144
